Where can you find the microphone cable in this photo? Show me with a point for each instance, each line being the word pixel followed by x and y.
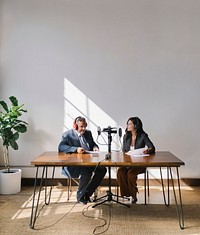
pixel 91 177
pixel 86 209
pixel 103 139
pixel 106 144
pixel 110 207
pixel 105 222
pixel 59 219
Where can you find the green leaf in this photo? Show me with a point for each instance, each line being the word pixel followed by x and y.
pixel 15 136
pixel 13 144
pixel 23 110
pixel 6 132
pixel 4 105
pixel 21 128
pixel 13 100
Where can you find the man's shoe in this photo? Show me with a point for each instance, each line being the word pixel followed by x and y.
pixel 82 200
pixel 87 198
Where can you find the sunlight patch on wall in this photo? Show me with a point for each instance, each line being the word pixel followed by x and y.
pixel 76 103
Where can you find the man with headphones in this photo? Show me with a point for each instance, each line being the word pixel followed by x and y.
pixel 79 140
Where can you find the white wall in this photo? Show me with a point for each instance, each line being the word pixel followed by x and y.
pixel 126 58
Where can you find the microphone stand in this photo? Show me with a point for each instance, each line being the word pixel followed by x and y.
pixel 109 194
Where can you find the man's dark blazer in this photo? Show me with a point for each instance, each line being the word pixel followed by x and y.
pixel 69 144
pixel 70 141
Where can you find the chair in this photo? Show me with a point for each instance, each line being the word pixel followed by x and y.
pixel 66 173
pixel 69 185
pixel 146 186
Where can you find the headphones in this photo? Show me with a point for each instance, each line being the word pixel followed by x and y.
pixel 137 124
pixel 79 119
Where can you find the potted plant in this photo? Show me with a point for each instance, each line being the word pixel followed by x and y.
pixel 10 128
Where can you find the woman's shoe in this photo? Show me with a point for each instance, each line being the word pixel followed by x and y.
pixel 126 198
pixel 134 200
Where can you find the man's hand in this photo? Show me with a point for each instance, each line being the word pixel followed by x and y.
pixel 80 150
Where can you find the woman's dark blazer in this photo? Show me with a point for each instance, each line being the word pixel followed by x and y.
pixel 141 141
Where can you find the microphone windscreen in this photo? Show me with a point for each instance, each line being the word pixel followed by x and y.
pixel 99 130
pixel 120 132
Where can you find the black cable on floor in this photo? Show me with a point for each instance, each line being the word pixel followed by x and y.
pixel 58 219
pixel 106 222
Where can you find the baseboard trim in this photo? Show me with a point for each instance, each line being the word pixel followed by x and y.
pixel 62 182
pixel 191 182
pixel 152 182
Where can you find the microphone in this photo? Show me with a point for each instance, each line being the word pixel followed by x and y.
pixel 99 130
pixel 108 156
pixel 110 129
pixel 120 132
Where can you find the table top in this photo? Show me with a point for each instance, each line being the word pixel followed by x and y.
pixel 158 159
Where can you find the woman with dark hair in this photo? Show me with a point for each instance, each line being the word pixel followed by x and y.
pixel 134 138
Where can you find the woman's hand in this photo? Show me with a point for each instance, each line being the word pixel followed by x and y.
pixel 147 151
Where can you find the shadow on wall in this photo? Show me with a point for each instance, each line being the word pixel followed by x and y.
pixel 40 138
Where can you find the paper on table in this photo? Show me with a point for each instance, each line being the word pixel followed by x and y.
pixel 137 153
pixel 92 152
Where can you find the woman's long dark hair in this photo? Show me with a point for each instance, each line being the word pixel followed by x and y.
pixel 137 124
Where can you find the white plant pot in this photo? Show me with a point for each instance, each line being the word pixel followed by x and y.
pixel 10 183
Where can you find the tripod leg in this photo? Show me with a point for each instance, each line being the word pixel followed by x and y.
pixel 97 204
pixel 109 194
pixel 120 203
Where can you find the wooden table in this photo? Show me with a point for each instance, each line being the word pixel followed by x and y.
pixel 160 159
